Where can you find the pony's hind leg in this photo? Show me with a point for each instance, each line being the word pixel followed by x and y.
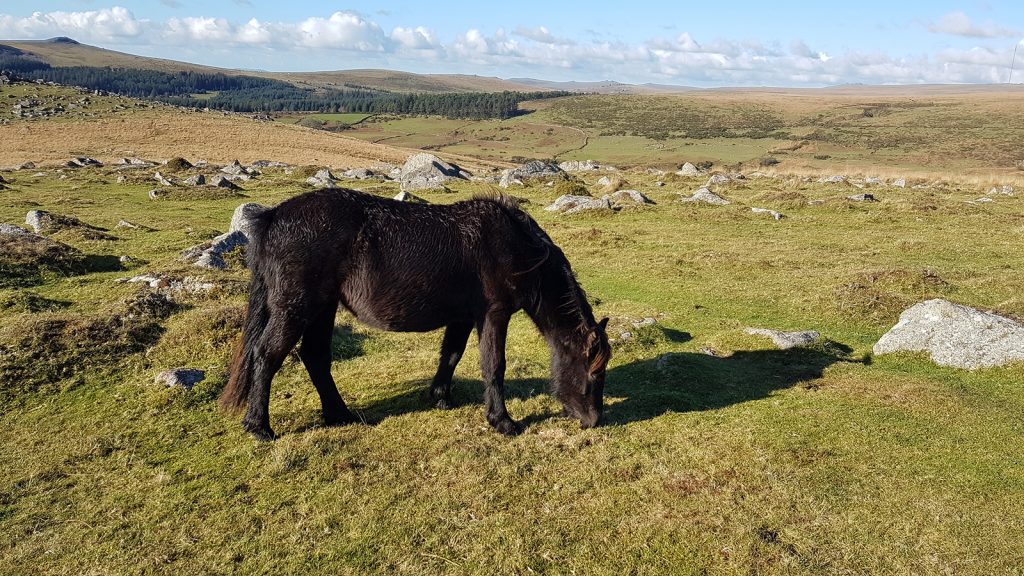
pixel 315 353
pixel 278 339
pixel 492 363
pixel 452 347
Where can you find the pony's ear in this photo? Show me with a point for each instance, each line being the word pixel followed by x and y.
pixel 603 324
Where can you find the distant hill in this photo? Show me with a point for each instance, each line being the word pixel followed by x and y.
pixel 67 52
pixel 602 87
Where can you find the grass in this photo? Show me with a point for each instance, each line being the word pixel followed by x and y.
pixel 818 461
pixel 826 460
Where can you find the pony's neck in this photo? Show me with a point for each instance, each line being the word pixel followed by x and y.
pixel 561 311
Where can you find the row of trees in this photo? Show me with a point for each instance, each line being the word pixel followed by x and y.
pixel 253 94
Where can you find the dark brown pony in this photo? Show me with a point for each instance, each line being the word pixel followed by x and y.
pixel 411 268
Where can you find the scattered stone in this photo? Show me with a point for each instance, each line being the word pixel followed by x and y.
pixel 604 181
pixel 43 221
pixel 862 198
pixel 270 164
pixel 243 218
pixel 158 193
pixel 718 178
pixel 211 254
pixel 127 261
pixel 428 172
pixel 130 225
pixel 322 179
pixel 26 166
pixel 627 198
pixel 772 213
pixel 787 340
pixel 873 180
pixel 404 196
pixel 180 378
pixel 569 204
pixel 705 196
pixel 195 180
pixel 579 166
pixel 135 162
pixel 532 170
pixel 955 335
pixel 162 179
pixel 222 182
pixel 643 322
pixel 837 179
pixel 171 285
pixel 659 183
pixel 84 162
pixel 11 230
pixel 360 174
pixel 899 183
pixel 236 169
pixel 1004 190
pixel 709 351
pixel 688 169
pixel 983 200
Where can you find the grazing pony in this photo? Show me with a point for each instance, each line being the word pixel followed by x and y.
pixel 411 268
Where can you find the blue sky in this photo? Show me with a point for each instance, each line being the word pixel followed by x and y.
pixel 699 43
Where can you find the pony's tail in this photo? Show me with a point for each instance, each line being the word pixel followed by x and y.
pixel 257 316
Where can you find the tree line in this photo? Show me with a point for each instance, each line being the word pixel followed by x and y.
pixel 254 94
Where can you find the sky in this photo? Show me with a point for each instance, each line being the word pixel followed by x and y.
pixel 725 43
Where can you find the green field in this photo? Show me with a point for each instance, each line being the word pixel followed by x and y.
pixel 344 118
pixel 751 460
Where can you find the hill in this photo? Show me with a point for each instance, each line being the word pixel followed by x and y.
pixel 67 52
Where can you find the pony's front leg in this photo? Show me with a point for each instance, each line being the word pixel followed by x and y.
pixel 492 364
pixel 452 347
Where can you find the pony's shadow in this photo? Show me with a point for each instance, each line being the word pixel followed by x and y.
pixel 645 389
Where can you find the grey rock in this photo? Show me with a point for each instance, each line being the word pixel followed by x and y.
pixel 604 181
pixel 787 340
pixel 705 196
pixel 873 180
pixel 135 162
pixel 26 166
pixel 428 172
pixel 627 198
pixel 158 193
pixel 180 378
pixel 163 180
pixel 688 169
pixel 532 170
pixel 211 254
pixel 569 204
pixel 39 220
pixel 772 213
pixel 1005 190
pixel 12 230
pixel 955 335
pixel 404 196
pixel 718 179
pixel 659 183
pixel 270 164
pixel 84 162
pixel 242 219
pixel 171 285
pixel 323 179
pixel 195 180
pixel 866 197
pixel 643 322
pixel 219 181
pixel 236 169
pixel 899 183
pixel 579 166
pixel 837 179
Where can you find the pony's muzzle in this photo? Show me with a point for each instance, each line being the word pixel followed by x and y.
pixel 589 419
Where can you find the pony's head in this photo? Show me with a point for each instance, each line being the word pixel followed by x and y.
pixel 579 375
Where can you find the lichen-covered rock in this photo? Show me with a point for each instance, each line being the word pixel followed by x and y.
pixel 705 196
pixel 628 199
pixel 955 335
pixel 688 169
pixel 322 179
pixel 836 179
pixel 195 180
pixel 404 196
pixel 899 183
pixel 773 213
pixel 180 378
pixel 579 166
pixel 210 254
pixel 787 340
pixel 532 170
pixel 242 219
pixel 569 204
pixel 1005 190
pixel 428 172
pixel 222 182
pixel 862 198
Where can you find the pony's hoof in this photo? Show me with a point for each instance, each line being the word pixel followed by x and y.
pixel 509 427
pixel 443 403
pixel 263 434
pixel 340 418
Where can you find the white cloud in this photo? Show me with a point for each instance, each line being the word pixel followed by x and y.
pixel 541 35
pixel 418 38
pixel 342 30
pixel 960 24
pixel 106 25
pixel 215 30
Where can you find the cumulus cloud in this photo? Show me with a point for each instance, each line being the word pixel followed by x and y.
pixel 960 24
pixel 106 25
pixel 542 35
pixel 418 38
pixel 344 30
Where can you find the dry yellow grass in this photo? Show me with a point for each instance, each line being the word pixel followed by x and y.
pixel 211 136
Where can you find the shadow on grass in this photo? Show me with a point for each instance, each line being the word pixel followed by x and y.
pixel 645 389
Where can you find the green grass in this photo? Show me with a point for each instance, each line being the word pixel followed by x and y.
pixel 758 461
pixel 342 118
